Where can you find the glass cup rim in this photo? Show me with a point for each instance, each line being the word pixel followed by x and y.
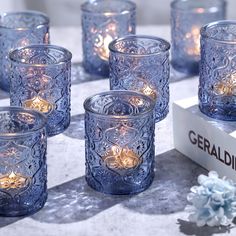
pixel 84 7
pixel 68 55
pixel 204 29
pixel 36 13
pixel 113 49
pixel 88 101
pixel 28 111
pixel 174 6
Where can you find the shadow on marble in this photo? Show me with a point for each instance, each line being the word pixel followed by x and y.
pixel 78 74
pixel 75 201
pixel 76 128
pixel 4 221
pixel 3 94
pixel 189 228
pixel 176 76
pixel 175 174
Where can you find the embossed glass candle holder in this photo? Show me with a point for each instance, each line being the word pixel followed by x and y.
pixel 23 171
pixel 187 18
pixel 102 22
pixel 19 29
pixel 217 90
pixel 119 128
pixel 41 80
pixel 141 63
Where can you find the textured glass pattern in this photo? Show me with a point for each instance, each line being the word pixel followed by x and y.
pixel 23 171
pixel 141 63
pixel 41 80
pixel 187 18
pixel 217 89
pixel 119 144
pixel 102 22
pixel 19 29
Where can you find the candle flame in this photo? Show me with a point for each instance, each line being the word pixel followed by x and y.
pixel 12 175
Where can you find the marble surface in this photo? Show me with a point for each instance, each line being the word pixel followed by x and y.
pixel 75 209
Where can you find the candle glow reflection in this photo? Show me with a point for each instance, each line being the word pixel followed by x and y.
pixel 194 36
pixel 149 91
pixel 104 39
pixel 226 87
pixel 121 158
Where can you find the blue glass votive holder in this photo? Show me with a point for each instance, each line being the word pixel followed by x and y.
pixel 102 22
pixel 187 18
pixel 41 80
pixel 23 170
pixel 19 29
pixel 119 142
pixel 141 63
pixel 217 89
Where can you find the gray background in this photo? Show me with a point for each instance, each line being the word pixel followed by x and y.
pixel 67 12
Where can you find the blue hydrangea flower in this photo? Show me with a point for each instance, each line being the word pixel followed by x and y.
pixel 213 202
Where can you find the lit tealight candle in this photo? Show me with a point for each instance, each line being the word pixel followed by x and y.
pixel 39 104
pixel 149 91
pixel 103 40
pixel 102 46
pixel 226 87
pixel 38 85
pixel 194 36
pixel 13 181
pixel 121 158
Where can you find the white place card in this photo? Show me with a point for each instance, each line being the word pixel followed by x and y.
pixel 210 143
